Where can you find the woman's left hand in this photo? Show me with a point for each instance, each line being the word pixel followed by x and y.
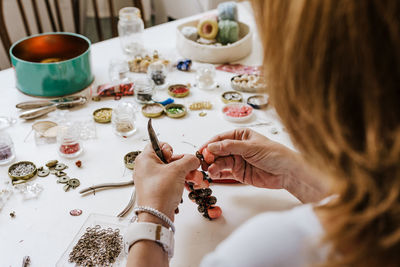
pixel 159 185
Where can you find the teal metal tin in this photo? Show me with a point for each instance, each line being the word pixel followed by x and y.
pixel 52 64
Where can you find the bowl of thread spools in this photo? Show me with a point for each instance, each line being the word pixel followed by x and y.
pixel 217 38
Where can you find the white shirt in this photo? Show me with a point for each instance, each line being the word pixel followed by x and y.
pixel 289 238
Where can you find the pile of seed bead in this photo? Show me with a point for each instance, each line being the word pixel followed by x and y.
pixel 200 105
pixel 22 169
pixel 97 247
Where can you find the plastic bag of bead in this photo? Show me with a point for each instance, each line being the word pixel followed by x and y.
pixel 108 231
pixel 117 91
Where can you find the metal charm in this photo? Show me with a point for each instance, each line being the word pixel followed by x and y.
pixel 60 173
pixel 63 180
pixel 74 183
pixel 43 172
pixel 51 163
pixel 61 166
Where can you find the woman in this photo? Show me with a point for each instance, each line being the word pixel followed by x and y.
pixel 333 69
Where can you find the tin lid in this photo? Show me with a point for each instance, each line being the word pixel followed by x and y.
pixel 129 159
pixel 178 90
pixel 175 110
pixel 152 110
pixel 232 97
pixel 258 101
pixel 22 171
pixel 237 112
pixel 102 115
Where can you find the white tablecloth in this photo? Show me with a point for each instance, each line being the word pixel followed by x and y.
pixel 43 227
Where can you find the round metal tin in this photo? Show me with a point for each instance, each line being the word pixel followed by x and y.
pixel 232 97
pixel 129 159
pixel 175 94
pixel 52 64
pixel 258 101
pixel 175 115
pixel 237 112
pixel 21 178
pixel 152 110
pixel 102 115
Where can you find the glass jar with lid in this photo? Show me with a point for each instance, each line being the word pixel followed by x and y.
pixel 123 119
pixel 68 138
pixel 130 31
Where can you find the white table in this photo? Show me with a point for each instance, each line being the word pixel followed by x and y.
pixel 43 227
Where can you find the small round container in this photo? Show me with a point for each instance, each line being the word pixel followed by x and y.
pixel 7 152
pixel 68 141
pixel 258 101
pixel 231 97
pixel 249 83
pixel 129 159
pixel 21 171
pixel 124 119
pixel 175 110
pixel 178 90
pixel 152 110
pixel 102 115
pixel 144 90
pixel 237 112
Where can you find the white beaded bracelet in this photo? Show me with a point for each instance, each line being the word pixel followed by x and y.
pixel 156 213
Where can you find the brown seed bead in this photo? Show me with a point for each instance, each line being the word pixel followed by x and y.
pixel 176 210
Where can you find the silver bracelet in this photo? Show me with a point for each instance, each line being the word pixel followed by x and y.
pixel 156 213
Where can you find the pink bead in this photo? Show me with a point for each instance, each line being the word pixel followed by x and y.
pixel 203 184
pixel 214 212
pixel 75 212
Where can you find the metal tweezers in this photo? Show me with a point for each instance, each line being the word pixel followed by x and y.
pixel 156 146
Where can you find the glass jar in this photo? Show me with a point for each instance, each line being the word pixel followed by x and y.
pixel 123 119
pixel 7 152
pixel 144 90
pixel 118 71
pixel 69 145
pixel 130 31
pixel 205 77
pixel 157 72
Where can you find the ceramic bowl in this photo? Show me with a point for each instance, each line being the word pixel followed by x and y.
pixel 214 54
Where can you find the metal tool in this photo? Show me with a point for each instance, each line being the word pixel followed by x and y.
pixel 154 142
pixel 131 202
pixel 40 108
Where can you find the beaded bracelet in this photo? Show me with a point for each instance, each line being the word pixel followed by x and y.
pixel 156 213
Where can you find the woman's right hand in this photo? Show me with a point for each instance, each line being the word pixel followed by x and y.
pixel 252 158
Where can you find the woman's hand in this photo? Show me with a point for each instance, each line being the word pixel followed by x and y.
pixel 160 185
pixel 252 158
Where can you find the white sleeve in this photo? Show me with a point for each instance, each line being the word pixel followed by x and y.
pixel 270 239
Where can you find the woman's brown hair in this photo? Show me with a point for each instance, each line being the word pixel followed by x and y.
pixel 333 72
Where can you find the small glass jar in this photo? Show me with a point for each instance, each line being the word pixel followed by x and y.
pixel 69 145
pixel 7 152
pixel 118 71
pixel 205 77
pixel 130 31
pixel 144 90
pixel 123 119
pixel 157 72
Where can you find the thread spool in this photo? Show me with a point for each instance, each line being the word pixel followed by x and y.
pixel 208 28
pixel 227 11
pixel 228 31
pixel 190 33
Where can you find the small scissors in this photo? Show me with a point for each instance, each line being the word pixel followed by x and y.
pixel 156 146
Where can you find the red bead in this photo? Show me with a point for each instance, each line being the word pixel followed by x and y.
pixel 214 212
